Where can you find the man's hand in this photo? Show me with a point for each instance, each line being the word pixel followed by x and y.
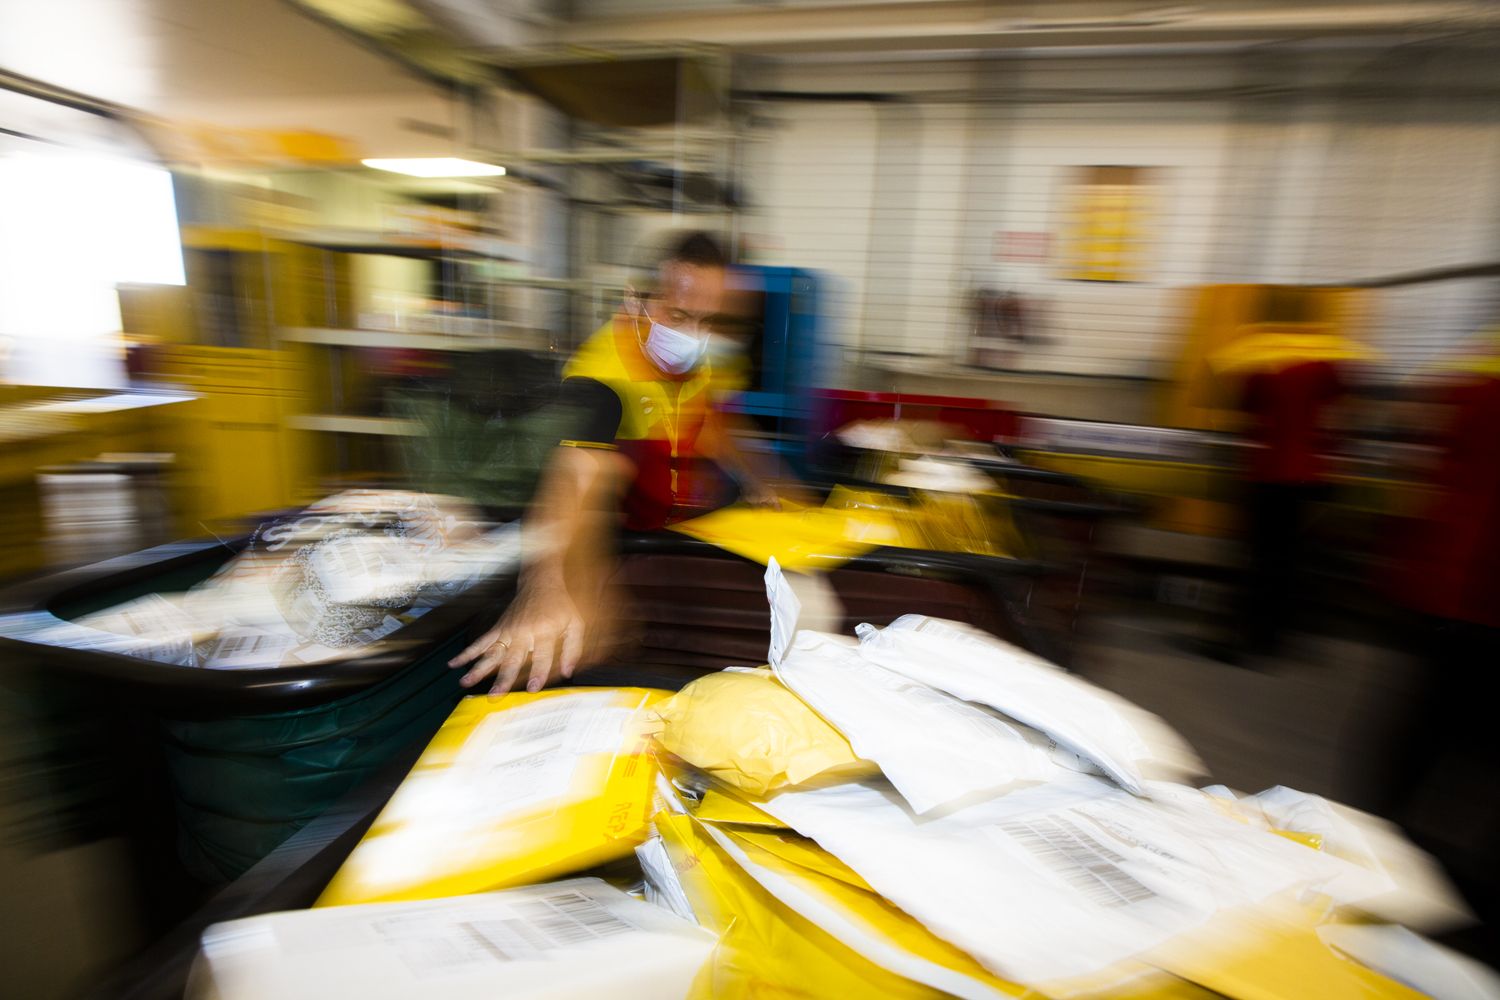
pixel 542 632
pixel 541 629
pixel 758 493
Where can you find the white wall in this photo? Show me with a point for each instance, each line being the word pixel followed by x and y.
pixel 1106 327
pixel 1401 197
pixel 810 178
pixel 900 203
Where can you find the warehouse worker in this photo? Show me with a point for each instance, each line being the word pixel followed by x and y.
pixel 648 452
pixel 1290 404
pixel 1288 376
pixel 1441 735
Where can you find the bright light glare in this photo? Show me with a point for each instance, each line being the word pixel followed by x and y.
pixel 437 166
pixel 74 227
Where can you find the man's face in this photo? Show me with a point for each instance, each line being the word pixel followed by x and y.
pixel 689 299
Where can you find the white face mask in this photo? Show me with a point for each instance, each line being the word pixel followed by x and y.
pixel 673 351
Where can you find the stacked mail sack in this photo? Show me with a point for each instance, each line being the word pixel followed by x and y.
pixel 321 585
pixel 920 810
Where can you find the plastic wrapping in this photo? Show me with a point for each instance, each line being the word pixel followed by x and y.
pixel 325 584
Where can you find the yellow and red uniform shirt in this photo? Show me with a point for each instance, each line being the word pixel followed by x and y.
pixel 660 422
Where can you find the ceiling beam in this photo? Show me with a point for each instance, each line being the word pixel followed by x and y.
pixel 970 24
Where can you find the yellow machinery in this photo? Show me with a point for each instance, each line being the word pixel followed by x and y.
pixel 235 454
pixel 42 427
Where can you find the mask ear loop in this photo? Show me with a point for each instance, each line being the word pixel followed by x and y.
pixel 637 313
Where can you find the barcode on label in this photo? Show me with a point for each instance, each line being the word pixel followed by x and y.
pixel 598 731
pixel 519 778
pixel 1088 865
pixel 248 648
pixel 521 758
pixel 544 722
pixel 576 917
pixel 432 945
pixel 234 648
pixel 555 921
pixel 508 940
pixel 385 628
pixel 349 559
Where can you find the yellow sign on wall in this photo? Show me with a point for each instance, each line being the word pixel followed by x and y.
pixel 1105 224
pixel 187 142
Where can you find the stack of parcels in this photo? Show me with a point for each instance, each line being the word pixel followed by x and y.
pixel 328 583
pixel 921 811
pixel 1027 834
pixel 448 894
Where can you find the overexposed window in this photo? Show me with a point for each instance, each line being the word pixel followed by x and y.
pixel 73 226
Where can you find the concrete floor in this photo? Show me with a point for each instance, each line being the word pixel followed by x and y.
pixel 1310 719
pixel 65 908
pixel 1296 720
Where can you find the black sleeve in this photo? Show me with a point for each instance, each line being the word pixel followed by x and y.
pixel 596 411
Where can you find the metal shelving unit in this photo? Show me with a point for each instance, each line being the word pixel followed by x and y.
pixel 475 245
pixel 502 336
pixel 333 423
pixel 441 334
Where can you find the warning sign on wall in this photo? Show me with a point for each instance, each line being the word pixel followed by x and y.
pixel 1021 246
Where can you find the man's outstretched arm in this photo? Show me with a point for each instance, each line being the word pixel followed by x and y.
pixel 566 544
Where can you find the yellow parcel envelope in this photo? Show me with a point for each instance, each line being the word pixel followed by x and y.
pixel 512 791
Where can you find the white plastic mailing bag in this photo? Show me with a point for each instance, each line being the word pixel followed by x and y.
pixel 1126 742
pixel 1412 959
pixel 1056 881
pixel 862 924
pixel 937 750
pixel 574 940
pixel 663 887
pixel 1387 876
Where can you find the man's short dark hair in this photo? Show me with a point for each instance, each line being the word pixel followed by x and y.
pixel 697 248
pixel 667 246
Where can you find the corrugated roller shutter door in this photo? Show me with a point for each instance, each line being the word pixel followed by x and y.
pixel 810 173
pixel 962 177
pixel 907 204
pixel 1113 327
pixel 1401 197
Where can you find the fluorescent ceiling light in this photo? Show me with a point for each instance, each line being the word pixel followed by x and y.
pixel 437 166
